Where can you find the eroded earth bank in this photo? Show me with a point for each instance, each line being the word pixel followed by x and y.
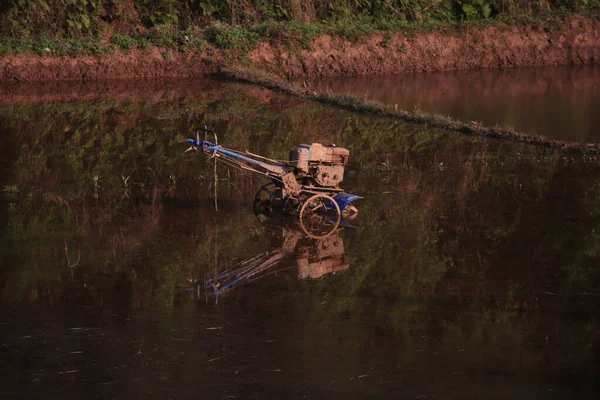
pixel 572 41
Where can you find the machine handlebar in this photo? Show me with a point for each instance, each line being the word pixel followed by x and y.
pixel 196 142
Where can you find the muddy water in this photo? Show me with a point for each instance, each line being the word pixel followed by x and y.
pixel 471 272
pixel 557 102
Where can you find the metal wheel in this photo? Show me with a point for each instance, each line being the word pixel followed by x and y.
pixel 319 216
pixel 262 204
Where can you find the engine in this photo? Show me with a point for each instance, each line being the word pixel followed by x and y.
pixel 322 165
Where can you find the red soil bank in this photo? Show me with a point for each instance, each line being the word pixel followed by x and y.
pixel 576 41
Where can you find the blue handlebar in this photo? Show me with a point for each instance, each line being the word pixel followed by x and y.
pixel 195 142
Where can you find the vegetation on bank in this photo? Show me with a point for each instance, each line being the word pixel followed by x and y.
pixel 95 27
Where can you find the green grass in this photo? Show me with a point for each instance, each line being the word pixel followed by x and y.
pixel 181 41
pixel 239 40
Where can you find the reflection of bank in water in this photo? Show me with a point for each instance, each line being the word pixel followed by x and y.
pixel 312 258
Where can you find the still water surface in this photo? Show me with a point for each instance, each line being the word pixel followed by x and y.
pixel 472 271
pixel 557 102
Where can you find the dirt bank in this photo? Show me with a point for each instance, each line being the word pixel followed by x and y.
pixel 574 41
pixel 132 65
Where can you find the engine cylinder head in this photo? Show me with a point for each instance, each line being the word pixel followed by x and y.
pixel 299 158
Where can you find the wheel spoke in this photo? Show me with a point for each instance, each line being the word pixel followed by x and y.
pixel 319 216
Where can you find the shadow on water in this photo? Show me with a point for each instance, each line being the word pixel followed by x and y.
pixel 473 270
pixel 556 102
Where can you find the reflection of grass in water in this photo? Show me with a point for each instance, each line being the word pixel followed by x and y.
pixel 397 258
pixel 421 263
pixel 11 191
pixel 396 253
pixel 88 142
pixel 34 233
pixel 583 268
pixel 451 197
pixel 62 148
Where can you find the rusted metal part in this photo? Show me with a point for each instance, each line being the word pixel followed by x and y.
pixel 290 184
pixel 312 174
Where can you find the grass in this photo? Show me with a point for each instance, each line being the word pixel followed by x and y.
pixel 359 104
pixel 182 41
pixel 242 39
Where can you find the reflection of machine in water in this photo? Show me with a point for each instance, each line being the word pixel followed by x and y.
pixel 315 250
pixel 312 259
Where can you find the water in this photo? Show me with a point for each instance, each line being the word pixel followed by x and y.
pixel 557 102
pixel 472 272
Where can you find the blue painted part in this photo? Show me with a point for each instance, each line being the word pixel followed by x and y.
pixel 217 149
pixel 343 199
pixel 200 143
pixel 193 288
pixel 345 224
pixel 238 156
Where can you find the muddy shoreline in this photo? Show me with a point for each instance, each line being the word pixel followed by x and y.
pixel 574 41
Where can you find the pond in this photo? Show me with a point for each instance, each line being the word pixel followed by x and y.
pixel 556 102
pixel 471 270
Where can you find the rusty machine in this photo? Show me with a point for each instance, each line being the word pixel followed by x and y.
pixel 306 185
